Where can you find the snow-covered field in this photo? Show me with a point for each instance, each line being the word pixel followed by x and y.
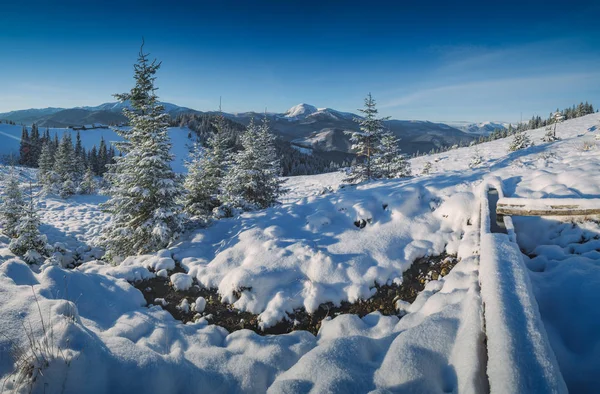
pixel 308 251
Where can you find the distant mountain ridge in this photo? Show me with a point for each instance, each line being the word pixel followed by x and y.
pixel 481 128
pixel 303 125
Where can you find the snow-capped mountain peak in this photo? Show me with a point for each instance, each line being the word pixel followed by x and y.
pixel 483 128
pixel 300 110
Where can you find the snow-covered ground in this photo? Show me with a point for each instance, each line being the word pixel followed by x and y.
pixel 308 251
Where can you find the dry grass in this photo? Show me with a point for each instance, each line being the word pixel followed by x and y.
pixel 34 356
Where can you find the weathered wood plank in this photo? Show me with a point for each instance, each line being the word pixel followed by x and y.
pixel 548 207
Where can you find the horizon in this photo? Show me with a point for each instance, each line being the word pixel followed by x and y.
pixel 440 62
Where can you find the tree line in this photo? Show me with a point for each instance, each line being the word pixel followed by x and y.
pixel 65 167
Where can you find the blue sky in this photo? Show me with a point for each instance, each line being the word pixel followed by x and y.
pixel 438 61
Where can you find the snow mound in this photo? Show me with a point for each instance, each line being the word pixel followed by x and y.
pixel 181 281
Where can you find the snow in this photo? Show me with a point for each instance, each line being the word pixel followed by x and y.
pixel 300 110
pixel 307 251
pixel 181 282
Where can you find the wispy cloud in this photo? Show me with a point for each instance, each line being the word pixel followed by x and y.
pixel 494 87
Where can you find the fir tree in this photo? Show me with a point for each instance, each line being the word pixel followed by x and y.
pixel 144 190
pixel 520 141
pixel 63 166
pixel 88 184
pixel 93 160
pixel 30 243
pixel 11 205
pixel 476 160
pixel 46 175
pixel 25 148
pixel 102 157
pixel 426 168
pixel 35 144
pixel 79 159
pixel 252 180
pixel 389 163
pixel 206 170
pixel 365 142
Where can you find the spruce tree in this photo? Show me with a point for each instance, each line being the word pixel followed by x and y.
pixel 520 141
pixel 88 184
pixel 35 143
pixel 102 157
pixel 30 243
pixel 11 205
pixel 426 168
pixel 252 180
pixel 93 160
pixel 206 170
pixel 79 165
pixel 63 167
pixel 389 163
pixel 25 148
pixel 144 190
pixel 365 142
pixel 46 175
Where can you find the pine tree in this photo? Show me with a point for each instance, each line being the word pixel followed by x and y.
pixel 520 141
pixel 30 243
pixel 476 160
pixel 11 205
pixel 79 165
pixel 46 175
pixel 366 141
pixel 102 157
pixel 35 143
pixel 63 167
pixel 426 168
pixel 252 180
pixel 25 148
pixel 88 184
pixel 144 190
pixel 93 160
pixel 206 170
pixel 389 163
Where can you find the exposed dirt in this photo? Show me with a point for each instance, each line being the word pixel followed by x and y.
pixel 415 278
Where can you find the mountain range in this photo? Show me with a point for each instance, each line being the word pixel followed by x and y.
pixel 304 126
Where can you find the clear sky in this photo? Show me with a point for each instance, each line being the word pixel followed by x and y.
pixel 441 61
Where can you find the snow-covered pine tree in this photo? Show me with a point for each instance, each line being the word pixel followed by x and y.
pixel 426 168
pixel 206 170
pixel 63 167
pixel 476 159
pixel 11 205
pixel 365 142
pixel 520 141
pixel 79 159
pixel 88 184
pixel 93 160
pixel 35 146
pixel 102 157
pixel 25 148
pixel 389 162
pixel 252 180
pixel 46 175
pixel 144 190
pixel 29 242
